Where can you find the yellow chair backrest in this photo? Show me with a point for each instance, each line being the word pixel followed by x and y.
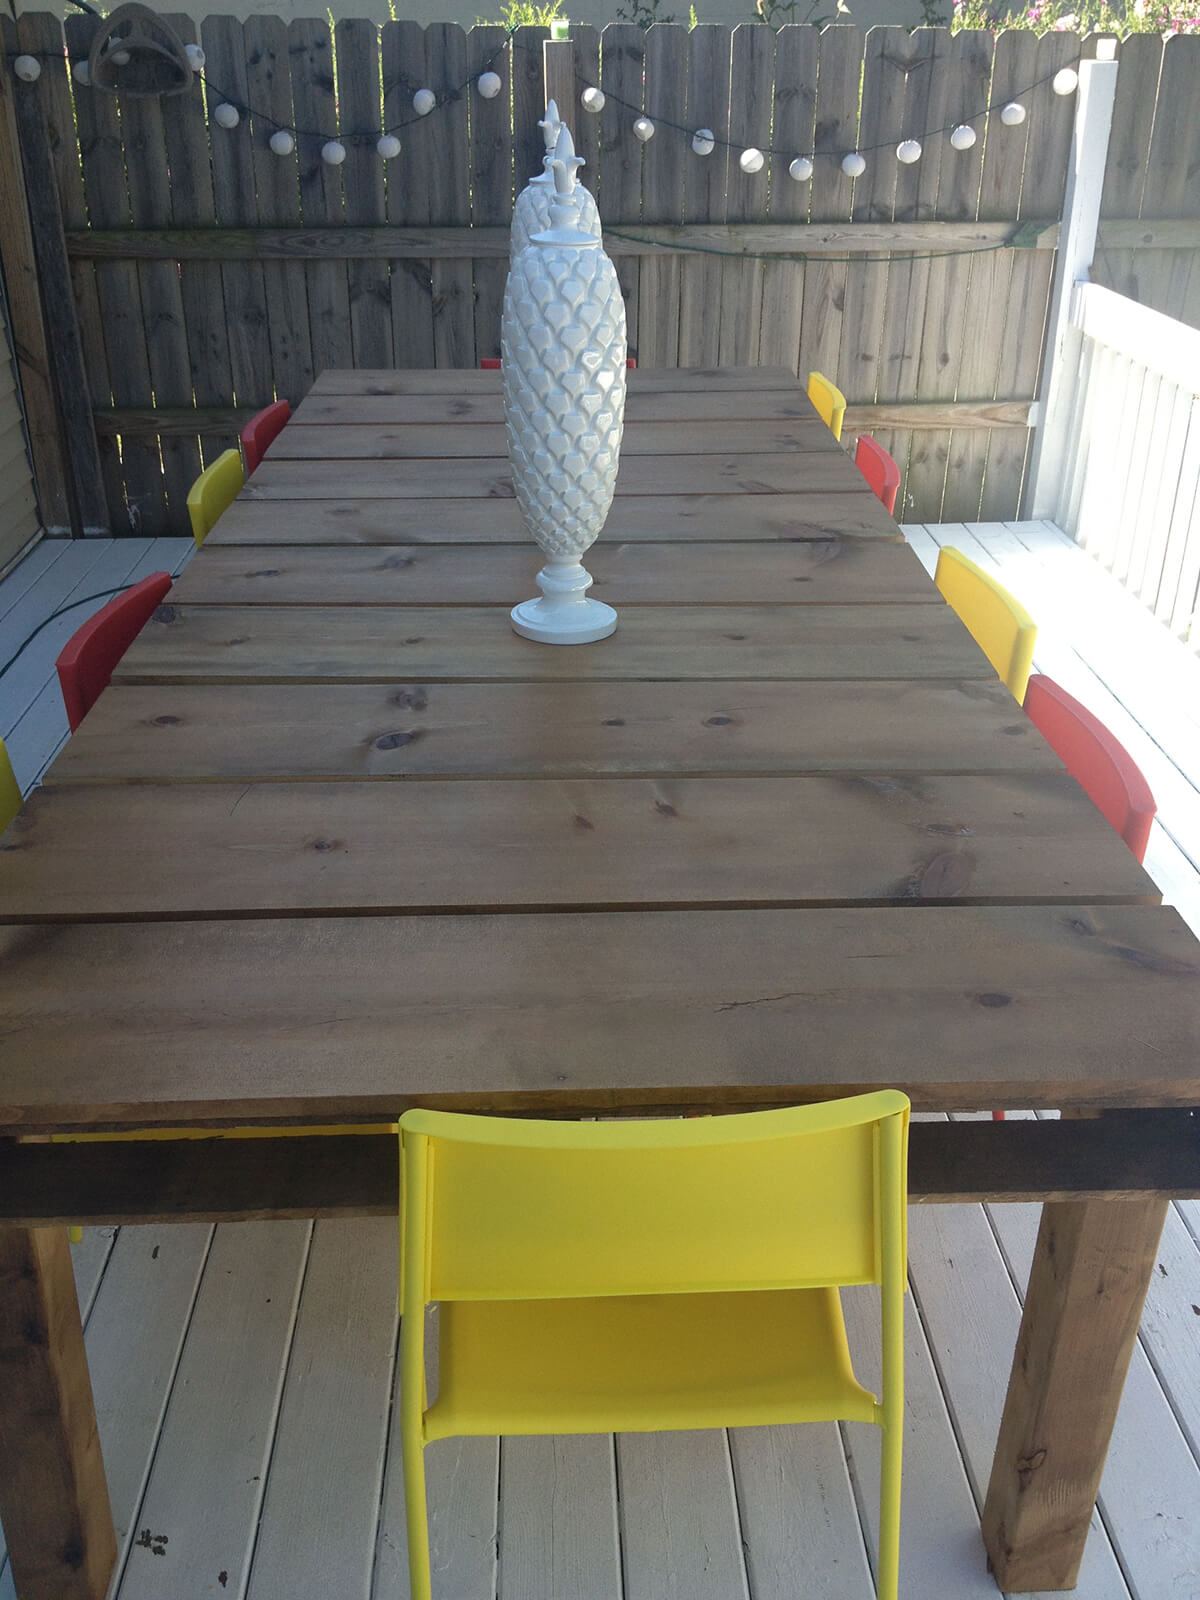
pixel 999 624
pixel 511 1209
pixel 10 790
pixel 829 401
pixel 214 491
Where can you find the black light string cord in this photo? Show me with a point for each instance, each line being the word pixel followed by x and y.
pixel 71 605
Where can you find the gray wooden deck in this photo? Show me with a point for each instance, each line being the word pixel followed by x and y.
pixel 244 1374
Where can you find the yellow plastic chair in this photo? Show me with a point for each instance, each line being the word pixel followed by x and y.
pixel 829 401
pixel 10 790
pixel 998 623
pixel 639 1276
pixel 213 492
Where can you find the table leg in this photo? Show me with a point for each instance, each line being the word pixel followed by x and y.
pixel 1087 1284
pixel 53 1494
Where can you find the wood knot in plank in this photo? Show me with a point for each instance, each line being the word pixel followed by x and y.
pixel 1027 1465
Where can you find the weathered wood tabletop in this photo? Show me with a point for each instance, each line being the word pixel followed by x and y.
pixel 336 841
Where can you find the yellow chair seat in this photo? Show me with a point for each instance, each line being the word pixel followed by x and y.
pixel 641 1363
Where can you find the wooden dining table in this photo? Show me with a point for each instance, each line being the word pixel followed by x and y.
pixel 337 842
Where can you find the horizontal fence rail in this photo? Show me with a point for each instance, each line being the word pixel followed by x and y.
pixel 190 275
pixel 1131 490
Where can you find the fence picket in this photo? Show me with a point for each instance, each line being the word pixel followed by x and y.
pixel 665 172
pixel 119 293
pixel 792 134
pixel 277 190
pixel 836 132
pixel 311 50
pixel 622 67
pixel 704 194
pixel 491 177
pixel 356 45
pixel 751 87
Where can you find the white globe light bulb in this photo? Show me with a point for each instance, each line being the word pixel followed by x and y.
pixel 963 137
pixel 1012 115
pixel 751 160
pixel 703 141
pixel 644 129
pixel 908 151
pixel 81 72
pixel 853 165
pixel 489 85
pixel 592 99
pixel 388 146
pixel 1066 81
pixel 801 169
pixel 424 101
pixel 227 116
pixel 281 142
pixel 333 153
pixel 27 68
pixel 196 56
pixel 120 58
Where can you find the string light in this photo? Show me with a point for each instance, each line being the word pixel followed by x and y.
pixel 854 165
pixel 196 56
pixel 489 85
pixel 908 151
pixel 592 99
pixel 703 141
pixel 281 142
pixel 82 73
pixel 424 101
pixel 27 68
pixel 227 116
pixel 1013 115
pixel 963 136
pixel 388 146
pixel 751 160
pixel 333 153
pixel 801 169
pixel 1065 81
pixel 644 129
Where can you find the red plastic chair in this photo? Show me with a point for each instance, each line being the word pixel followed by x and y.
pixel 1102 767
pixel 261 430
pixel 879 469
pixel 492 363
pixel 89 656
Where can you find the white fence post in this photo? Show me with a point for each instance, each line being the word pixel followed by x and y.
pixel 1076 248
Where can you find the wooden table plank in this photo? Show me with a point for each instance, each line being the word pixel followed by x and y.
pixel 687 518
pixel 290 848
pixel 393 442
pixel 818 471
pixel 964 1008
pixel 641 406
pixel 808 572
pixel 400 644
pixel 204 731
pixel 462 380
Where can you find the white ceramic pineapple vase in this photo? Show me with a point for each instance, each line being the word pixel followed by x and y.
pixel 563 367
pixel 531 214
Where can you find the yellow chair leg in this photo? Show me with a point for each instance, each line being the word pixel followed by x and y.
pixel 417 1519
pixel 75 1234
pixel 887 1579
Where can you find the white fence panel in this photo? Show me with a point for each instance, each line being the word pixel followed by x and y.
pixel 1129 492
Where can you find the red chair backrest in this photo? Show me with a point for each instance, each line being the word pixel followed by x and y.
pixel 1102 766
pixel 260 430
pixel 878 468
pixel 492 363
pixel 89 656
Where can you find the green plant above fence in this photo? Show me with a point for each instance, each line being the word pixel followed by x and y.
pixel 198 262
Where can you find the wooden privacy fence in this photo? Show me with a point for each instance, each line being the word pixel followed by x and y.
pixel 189 275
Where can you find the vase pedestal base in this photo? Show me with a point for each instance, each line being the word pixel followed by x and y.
pixel 581 623
pixel 563 614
